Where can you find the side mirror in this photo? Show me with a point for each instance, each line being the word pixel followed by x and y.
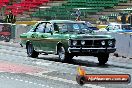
pixel 51 32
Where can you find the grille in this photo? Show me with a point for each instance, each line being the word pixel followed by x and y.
pixel 88 44
pixel 97 43
pixel 91 43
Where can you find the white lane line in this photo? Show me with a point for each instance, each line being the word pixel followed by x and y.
pixel 67 81
pixel 21 80
pixel 35 83
pixel 42 85
pixel 30 82
pixel 43 64
pixel 39 84
pixel 26 81
pixel 7 77
pixel 16 79
pixel 12 78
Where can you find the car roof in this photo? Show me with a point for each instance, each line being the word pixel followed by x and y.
pixel 61 21
pixel 6 23
pixel 64 21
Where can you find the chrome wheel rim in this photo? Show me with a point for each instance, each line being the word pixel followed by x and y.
pixel 62 53
pixel 30 49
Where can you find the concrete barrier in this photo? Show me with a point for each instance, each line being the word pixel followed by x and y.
pixel 130 48
pixel 123 43
pixel 19 30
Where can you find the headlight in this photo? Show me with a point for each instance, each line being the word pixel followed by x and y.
pixel 110 43
pixel 74 43
pixel 83 42
pixel 103 43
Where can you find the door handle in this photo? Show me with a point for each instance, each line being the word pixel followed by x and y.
pixel 34 35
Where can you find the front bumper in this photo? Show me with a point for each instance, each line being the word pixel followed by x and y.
pixel 91 50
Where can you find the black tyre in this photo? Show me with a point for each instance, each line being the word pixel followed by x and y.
pixel 63 55
pixel 103 58
pixel 31 52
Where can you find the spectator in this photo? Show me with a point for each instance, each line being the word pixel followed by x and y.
pixel 10 18
pixel 123 19
pixel 130 19
pixel 78 12
pixel 56 27
pixel 78 18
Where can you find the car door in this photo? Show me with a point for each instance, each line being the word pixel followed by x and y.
pixel 44 38
pixel 49 38
pixel 36 35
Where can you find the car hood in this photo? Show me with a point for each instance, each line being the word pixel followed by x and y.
pixel 88 36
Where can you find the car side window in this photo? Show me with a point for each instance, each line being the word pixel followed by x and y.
pixel 56 27
pixel 48 28
pixel 40 28
pixel 64 28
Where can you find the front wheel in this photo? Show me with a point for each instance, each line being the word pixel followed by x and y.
pixel 103 58
pixel 31 52
pixel 63 55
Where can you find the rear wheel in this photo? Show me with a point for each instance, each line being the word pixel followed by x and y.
pixel 103 58
pixel 31 52
pixel 63 55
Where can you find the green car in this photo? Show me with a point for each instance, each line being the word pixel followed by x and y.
pixel 67 39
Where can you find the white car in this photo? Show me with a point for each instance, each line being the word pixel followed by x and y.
pixel 116 27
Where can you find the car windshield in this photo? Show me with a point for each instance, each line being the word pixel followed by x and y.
pixel 71 27
pixel 89 24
